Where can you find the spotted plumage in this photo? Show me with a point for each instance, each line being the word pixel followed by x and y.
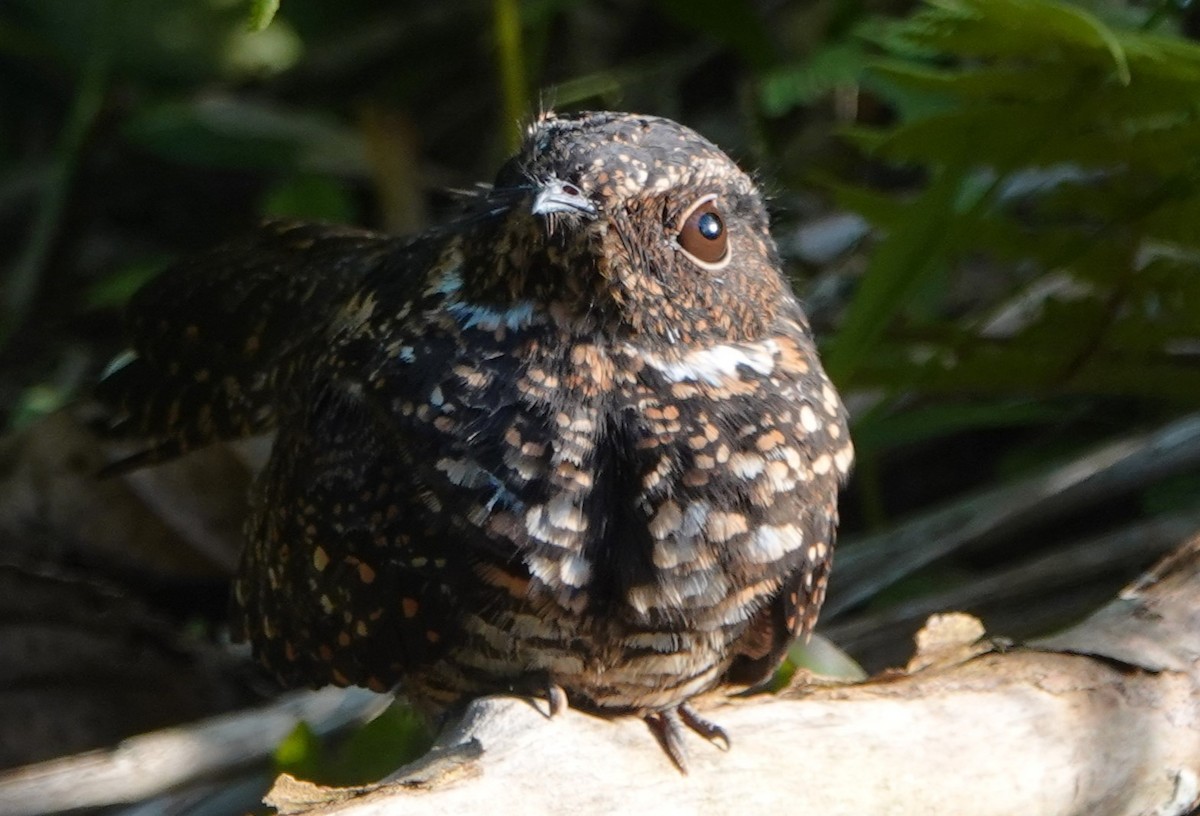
pixel 577 439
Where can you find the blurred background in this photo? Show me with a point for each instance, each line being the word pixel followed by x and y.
pixel 991 209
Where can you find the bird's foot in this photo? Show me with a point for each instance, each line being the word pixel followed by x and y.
pixel 668 726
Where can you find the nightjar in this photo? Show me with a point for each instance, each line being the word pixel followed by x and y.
pixel 575 442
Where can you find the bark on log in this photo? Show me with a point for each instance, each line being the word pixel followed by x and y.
pixel 1102 720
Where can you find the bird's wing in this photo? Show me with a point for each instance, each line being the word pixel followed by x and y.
pixel 398 465
pixel 210 333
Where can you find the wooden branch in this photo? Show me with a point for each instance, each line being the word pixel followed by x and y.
pixel 1103 720
pixel 150 764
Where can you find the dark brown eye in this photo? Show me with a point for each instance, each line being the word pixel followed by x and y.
pixel 703 235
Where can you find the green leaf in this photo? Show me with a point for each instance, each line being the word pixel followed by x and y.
pixel 1012 28
pixel 790 86
pixel 300 753
pixel 397 736
pixel 310 197
pixel 821 657
pixel 962 85
pixel 35 403
pixel 1077 25
pixel 116 289
pixel 262 12
pixel 907 257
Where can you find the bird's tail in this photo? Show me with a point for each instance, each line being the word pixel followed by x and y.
pixel 212 334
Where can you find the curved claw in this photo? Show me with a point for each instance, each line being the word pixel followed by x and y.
pixel 667 727
pixel 557 698
pixel 705 728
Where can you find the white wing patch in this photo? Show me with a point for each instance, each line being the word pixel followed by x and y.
pixel 770 543
pixel 716 364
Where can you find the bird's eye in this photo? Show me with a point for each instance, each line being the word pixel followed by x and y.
pixel 703 234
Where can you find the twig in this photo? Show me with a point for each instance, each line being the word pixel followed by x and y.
pixel 869 565
pixel 1041 586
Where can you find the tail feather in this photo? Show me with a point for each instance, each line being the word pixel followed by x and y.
pixel 210 334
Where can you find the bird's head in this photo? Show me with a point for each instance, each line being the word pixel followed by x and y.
pixel 638 222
